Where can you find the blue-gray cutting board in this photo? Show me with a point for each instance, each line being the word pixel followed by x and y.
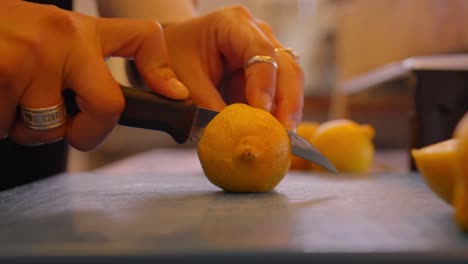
pixel 161 205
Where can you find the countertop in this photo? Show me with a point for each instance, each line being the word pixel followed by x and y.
pixel 159 206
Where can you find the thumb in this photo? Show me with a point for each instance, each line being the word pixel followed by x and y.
pixel 203 92
pixel 142 40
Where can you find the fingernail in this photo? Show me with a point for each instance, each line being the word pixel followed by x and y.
pixel 267 102
pixel 291 125
pixel 180 91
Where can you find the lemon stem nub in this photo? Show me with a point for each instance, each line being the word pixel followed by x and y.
pixel 246 153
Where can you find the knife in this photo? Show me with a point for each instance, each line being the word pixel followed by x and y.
pixel 183 120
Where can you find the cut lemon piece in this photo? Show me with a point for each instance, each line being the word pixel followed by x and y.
pixel 460 201
pixel 437 165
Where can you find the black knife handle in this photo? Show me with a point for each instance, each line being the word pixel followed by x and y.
pixel 145 109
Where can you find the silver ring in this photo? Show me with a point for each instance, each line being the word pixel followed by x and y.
pixel 288 50
pixel 261 58
pixel 44 118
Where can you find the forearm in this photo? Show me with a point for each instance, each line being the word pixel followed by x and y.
pixel 162 11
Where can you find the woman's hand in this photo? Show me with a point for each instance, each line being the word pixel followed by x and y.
pixel 45 50
pixel 208 54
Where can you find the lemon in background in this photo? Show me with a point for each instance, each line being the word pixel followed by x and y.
pixel 347 144
pixel 306 130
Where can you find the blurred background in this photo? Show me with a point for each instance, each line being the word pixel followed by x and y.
pixel 337 41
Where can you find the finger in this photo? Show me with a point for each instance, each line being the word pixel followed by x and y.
pixel 144 41
pixel 260 78
pixel 233 88
pixel 43 92
pixel 245 40
pixel 208 97
pixel 290 84
pixel 290 92
pixel 98 97
pixel 10 86
pixel 200 71
pixel 7 110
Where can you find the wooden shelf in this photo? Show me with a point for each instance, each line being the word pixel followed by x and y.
pixel 395 104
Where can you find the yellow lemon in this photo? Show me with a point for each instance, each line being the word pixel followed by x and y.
pixel 460 201
pixel 436 163
pixel 346 144
pixel 306 130
pixel 244 149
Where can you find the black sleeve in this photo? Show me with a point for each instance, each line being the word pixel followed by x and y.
pixel 64 4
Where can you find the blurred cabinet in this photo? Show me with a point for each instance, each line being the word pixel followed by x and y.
pixel 372 33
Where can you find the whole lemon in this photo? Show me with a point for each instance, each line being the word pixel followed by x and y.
pixel 460 201
pixel 244 149
pixel 306 130
pixel 346 144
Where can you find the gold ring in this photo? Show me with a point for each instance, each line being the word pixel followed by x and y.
pixel 44 118
pixel 288 50
pixel 261 58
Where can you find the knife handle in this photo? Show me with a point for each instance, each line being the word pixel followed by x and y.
pixel 145 109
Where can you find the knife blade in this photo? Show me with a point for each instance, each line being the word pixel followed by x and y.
pixel 183 120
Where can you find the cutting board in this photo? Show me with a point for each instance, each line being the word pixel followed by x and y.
pixel 160 205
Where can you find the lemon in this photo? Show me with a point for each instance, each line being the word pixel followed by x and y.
pixel 244 149
pixel 460 201
pixel 346 144
pixel 436 163
pixel 444 166
pixel 306 130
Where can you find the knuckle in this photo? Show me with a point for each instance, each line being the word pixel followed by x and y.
pixel 265 27
pixel 240 10
pixel 164 73
pixel 60 20
pixel 266 46
pixel 113 106
pixel 10 66
pixel 61 26
pixel 233 13
pixel 151 28
pixel 28 47
pixel 293 67
pixel 35 45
